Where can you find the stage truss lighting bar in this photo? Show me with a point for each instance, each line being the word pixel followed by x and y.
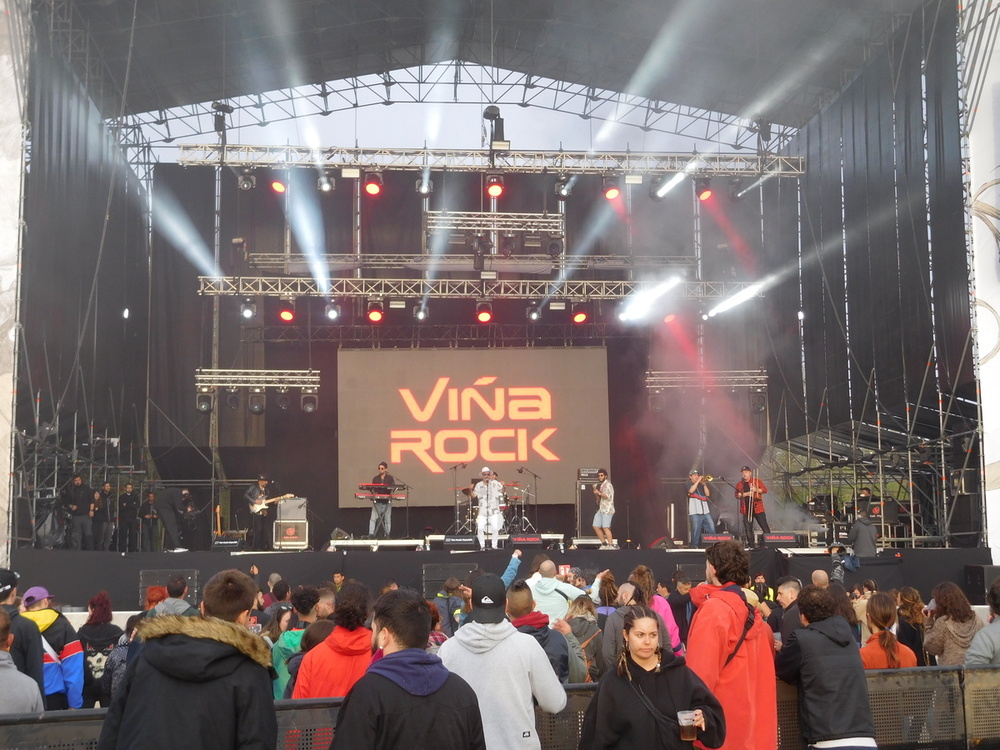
pixel 233 379
pixel 285 286
pixel 563 163
pixel 299 263
pixel 658 381
pixel 487 221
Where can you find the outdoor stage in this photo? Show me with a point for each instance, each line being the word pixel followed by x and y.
pixel 73 577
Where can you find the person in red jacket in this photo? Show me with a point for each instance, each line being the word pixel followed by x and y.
pixel 734 661
pixel 331 669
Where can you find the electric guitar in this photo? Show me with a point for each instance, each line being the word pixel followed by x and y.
pixel 261 505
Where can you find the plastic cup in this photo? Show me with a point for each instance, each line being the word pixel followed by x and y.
pixel 689 732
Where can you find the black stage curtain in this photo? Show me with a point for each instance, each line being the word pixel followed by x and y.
pixel 77 349
pixel 877 320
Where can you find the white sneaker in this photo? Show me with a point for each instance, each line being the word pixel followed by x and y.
pixel 179 549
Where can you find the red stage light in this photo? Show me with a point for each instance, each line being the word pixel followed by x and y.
pixel 278 186
pixel 494 185
pixel 703 188
pixel 670 318
pixel 611 189
pixel 580 314
pixel 375 312
pixel 484 312
pixel 286 312
pixel 373 183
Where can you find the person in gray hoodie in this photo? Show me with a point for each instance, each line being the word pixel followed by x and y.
pixel 504 667
pixel 174 604
pixel 985 647
pixel 862 536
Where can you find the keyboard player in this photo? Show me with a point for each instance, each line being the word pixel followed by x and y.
pixel 382 505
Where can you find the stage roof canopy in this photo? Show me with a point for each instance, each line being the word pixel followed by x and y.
pixel 778 60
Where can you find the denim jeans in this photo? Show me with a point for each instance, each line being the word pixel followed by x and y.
pixel 701 523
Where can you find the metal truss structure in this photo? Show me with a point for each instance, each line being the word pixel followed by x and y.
pixel 209 378
pixel 658 381
pixel 481 160
pixel 283 287
pixel 453 81
pixel 495 221
pixel 451 262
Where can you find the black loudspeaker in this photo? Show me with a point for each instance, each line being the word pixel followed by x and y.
pixel 460 541
pixel 707 540
pixel 977 581
pixel 525 540
pixel 291 534
pixel 339 533
pixel 149 578
pixel 435 574
pixel 229 541
pixel 966 521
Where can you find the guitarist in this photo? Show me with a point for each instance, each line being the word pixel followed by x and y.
pixel 260 520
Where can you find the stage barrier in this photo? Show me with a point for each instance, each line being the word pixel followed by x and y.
pixel 932 707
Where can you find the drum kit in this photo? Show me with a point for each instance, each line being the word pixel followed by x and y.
pixel 515 500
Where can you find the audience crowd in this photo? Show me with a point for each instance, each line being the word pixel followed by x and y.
pixel 674 659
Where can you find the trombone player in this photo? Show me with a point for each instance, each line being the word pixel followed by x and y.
pixel 750 491
pixel 699 510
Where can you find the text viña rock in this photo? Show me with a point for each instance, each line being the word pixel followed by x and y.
pixel 458 408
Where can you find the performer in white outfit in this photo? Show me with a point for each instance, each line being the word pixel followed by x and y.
pixel 489 493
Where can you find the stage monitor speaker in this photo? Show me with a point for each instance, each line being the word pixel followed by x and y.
pixel 229 541
pixel 291 534
pixel 664 542
pixel 707 540
pixel 435 574
pixel 149 578
pixel 525 540
pixel 782 539
pixel 977 581
pixel 459 541
pixel 339 533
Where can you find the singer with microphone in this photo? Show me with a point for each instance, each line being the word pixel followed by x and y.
pixel 604 492
pixel 699 510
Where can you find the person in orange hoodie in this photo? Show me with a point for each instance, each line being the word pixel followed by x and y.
pixel 731 649
pixel 331 669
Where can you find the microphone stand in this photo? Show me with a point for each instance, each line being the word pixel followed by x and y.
pixel 521 470
pixel 457 526
pixel 407 501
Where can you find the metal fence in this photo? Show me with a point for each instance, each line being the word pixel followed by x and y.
pixel 943 708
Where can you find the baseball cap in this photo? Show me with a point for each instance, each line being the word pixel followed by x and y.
pixel 8 580
pixel 693 472
pixel 486 470
pixel 35 594
pixel 745 468
pixel 489 599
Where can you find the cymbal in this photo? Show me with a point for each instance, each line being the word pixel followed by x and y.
pixel 512 484
pixel 466 491
pixel 514 498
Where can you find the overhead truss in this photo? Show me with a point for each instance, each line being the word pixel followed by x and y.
pixel 214 378
pixel 293 287
pixel 451 262
pixel 475 160
pixel 658 381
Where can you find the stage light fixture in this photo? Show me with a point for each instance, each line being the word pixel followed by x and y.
pixel 205 399
pixel 703 188
pixel 484 312
pixel 248 180
pixel 611 189
pixel 286 311
pixel 283 399
pixel 554 247
pixel 233 398
pixel 533 312
pixel 494 185
pixel 376 312
pixel 420 312
pixel 325 183
pixel 658 186
pixel 508 244
pixel 373 183
pixel 581 313
pixel 309 399
pixel 563 188
pixel 735 189
pixel 279 186
pixel 424 186
pixel 257 400
pixel 248 309
pixel 332 311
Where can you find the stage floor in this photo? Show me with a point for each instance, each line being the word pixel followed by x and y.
pixel 73 577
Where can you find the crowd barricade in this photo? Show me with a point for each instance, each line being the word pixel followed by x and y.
pixel 943 708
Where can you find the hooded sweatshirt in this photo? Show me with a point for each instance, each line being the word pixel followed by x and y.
pixel 26 651
pixel 552 596
pixel 824 661
pixel 536 624
pixel 949 640
pixel 199 682
pixel 63 671
pixel 171 606
pixel 506 669
pixel 408 698
pixel 331 669
pixel 863 538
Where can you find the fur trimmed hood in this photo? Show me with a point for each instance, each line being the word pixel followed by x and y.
pixel 199 648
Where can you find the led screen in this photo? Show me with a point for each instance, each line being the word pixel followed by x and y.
pixel 438 416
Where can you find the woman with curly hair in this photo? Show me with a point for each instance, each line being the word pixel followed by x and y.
pixel 952 625
pixel 910 630
pixel 883 650
pixel 636 703
pixel 331 669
